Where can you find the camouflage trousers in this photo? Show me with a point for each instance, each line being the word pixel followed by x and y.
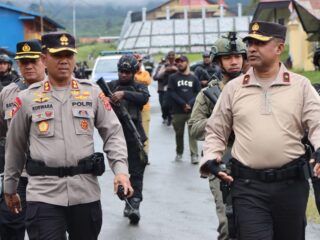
pixel 214 184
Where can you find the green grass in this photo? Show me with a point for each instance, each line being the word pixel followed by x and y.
pixel 93 49
pixel 312 211
pixel 314 76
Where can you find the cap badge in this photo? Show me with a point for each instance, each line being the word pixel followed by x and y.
pixel 26 48
pixel 64 41
pixel 255 27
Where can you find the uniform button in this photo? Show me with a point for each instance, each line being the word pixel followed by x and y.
pixel 247 181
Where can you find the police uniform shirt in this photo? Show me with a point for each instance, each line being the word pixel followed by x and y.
pixel 268 125
pixel 7 100
pixel 60 133
pixel 7 103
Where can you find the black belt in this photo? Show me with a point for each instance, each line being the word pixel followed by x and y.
pixel 93 164
pixel 298 169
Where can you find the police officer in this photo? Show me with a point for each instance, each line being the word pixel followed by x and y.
pixel 6 76
pixel 54 119
pixel 133 96
pixel 268 109
pixel 206 70
pixel 228 52
pixel 12 226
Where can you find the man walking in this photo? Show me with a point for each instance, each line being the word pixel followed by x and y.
pixel 269 109
pixel 12 226
pixel 228 52
pixel 54 121
pixel 133 96
pixel 183 88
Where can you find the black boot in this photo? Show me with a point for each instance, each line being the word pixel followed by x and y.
pixel 126 210
pixel 134 214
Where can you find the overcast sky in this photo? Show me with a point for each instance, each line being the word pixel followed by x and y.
pixel 114 2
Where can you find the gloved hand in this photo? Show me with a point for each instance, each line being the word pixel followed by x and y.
pixel 13 202
pixel 215 168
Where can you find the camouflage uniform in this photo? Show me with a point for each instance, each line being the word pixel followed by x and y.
pixel 202 110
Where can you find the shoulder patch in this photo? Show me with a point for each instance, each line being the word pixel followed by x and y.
pixel 17 106
pixel 105 101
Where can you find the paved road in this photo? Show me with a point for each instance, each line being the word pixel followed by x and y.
pixel 177 202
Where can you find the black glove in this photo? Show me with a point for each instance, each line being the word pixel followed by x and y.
pixel 316 155
pixel 214 167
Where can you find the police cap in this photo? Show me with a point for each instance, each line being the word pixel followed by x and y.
pixel 30 49
pixel 265 31
pixel 58 41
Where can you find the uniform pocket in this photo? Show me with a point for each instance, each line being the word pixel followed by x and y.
pixel 83 121
pixel 44 123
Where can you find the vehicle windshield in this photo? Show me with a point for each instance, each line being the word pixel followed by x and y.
pixel 107 65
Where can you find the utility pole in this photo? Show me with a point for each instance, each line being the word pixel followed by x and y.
pixel 74 18
pixel 41 16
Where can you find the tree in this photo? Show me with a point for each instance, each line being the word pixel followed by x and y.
pixel 34 7
pixel 251 7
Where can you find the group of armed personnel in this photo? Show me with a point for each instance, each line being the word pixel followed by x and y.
pixel 250 111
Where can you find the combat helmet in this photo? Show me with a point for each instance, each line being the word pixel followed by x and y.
pixel 5 58
pixel 227 45
pixel 128 63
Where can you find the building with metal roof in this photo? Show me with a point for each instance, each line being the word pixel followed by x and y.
pixel 181 25
pixel 19 24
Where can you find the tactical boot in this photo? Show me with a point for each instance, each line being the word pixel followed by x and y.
pixel 134 214
pixel 194 159
pixel 126 210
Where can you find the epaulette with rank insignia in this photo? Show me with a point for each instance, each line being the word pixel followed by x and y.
pixel 246 79
pixel 286 77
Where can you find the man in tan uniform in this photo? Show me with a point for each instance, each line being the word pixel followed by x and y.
pixel 54 119
pixel 268 109
pixel 12 226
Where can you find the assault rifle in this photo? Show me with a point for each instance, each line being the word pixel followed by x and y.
pixel 125 118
